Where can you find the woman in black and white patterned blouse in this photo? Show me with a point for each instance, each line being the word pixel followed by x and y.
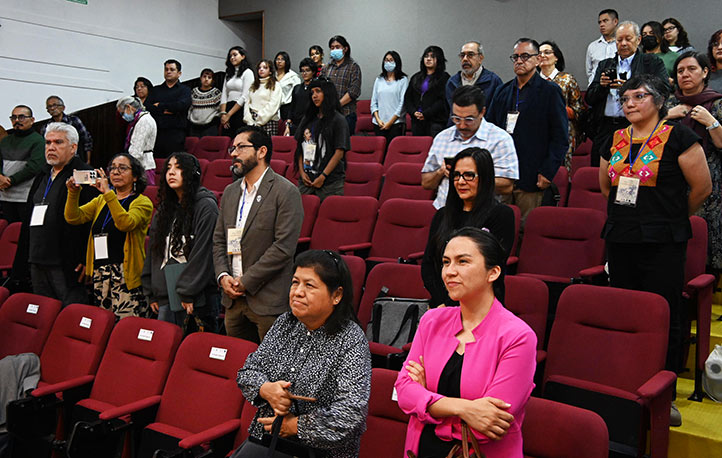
pixel 317 350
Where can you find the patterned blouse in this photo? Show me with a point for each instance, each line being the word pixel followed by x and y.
pixel 333 368
pixel 573 99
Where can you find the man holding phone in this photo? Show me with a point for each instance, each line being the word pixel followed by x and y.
pixel 603 92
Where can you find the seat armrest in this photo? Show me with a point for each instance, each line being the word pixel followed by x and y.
pixel 63 386
pixel 350 249
pixel 658 384
pixel 210 434
pixel 415 256
pixel 130 408
pixel 304 240
pixel 701 282
pixel 512 261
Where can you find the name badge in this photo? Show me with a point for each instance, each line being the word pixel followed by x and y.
pixel 86 322
pixel 233 240
pixel 145 334
pixel 100 241
pixel 627 191
pixel 33 309
pixel 511 118
pixel 38 216
pixel 218 353
pixel 309 151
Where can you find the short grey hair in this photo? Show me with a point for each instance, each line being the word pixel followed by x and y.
pixel 634 25
pixel 60 101
pixel 131 100
pixel 479 48
pixel 71 134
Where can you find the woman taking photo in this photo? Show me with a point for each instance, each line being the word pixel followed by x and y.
pixel 552 69
pixel 655 175
pixel 239 78
pixel 425 98
pixel 264 99
pixel 474 363
pixel 116 246
pixel 182 233
pixel 675 36
pixel 288 79
pixel 700 109
pixel 470 202
pixel 322 139
pixel 315 52
pixel 316 350
pixel 142 131
pixel 714 54
pixel 387 98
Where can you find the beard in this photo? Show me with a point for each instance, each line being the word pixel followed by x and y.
pixel 241 168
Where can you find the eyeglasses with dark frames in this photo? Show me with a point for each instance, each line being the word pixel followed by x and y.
pixel 468 176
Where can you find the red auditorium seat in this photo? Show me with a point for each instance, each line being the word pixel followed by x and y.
pixel 402 230
pixel 561 179
pixel 699 289
pixel 363 179
pixel 528 298
pixel 386 424
pixel 218 175
pixel 190 145
pixel 311 204
pixel 25 323
pixel 364 126
pixel 403 180
pixel 366 149
pixel 151 192
pixel 606 353
pixel 201 402
pixel 212 148
pixel 284 148
pixel 357 268
pixel 407 149
pixel 344 221
pixel 553 429
pixel 247 414
pixel 3 224
pixel 586 192
pixel 279 166
pixel 292 174
pixel 8 247
pixel 582 156
pixel 4 294
pixel 402 280
pixel 132 374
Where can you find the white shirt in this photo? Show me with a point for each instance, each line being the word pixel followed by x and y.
pixel 248 195
pixel 613 108
pixel 550 77
pixel 236 88
pixel 597 51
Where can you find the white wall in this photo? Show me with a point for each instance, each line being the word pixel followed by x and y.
pixel 91 54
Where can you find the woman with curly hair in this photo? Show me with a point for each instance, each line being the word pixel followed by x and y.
pixel 675 36
pixel 714 54
pixel 239 78
pixel 182 233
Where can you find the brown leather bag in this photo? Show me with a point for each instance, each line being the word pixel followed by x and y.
pixel 461 448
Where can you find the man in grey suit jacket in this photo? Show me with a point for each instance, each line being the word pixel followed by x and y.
pixel 255 238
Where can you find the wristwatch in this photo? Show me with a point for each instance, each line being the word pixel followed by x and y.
pixel 713 126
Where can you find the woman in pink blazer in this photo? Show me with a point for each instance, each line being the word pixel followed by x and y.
pixel 474 362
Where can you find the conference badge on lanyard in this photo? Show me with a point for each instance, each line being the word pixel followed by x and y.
pixel 100 242
pixel 627 191
pixel 511 118
pixel 235 234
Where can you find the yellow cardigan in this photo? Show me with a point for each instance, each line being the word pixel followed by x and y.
pixel 135 222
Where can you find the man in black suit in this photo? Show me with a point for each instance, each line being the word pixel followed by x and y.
pixel 603 94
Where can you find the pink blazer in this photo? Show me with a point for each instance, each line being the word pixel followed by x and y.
pixel 500 363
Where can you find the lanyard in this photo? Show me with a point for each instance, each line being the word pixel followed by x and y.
pixel 631 142
pixel 243 204
pixel 516 108
pixel 48 186
pixel 109 216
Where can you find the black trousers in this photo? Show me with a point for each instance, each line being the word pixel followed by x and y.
pixel 169 141
pixel 605 129
pixel 395 131
pixel 657 268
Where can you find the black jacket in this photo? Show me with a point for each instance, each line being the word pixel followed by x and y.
pixel 433 102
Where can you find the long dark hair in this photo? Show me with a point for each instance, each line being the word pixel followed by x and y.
pixel 343 42
pixel 176 217
pixel 232 71
pixel 682 38
pixel 659 33
pixel 136 169
pixel 398 72
pixel 328 109
pixel 418 79
pixel 560 65
pixel 286 58
pixel 484 201
pixel 334 273
pixel 491 250
pixel 715 38
pixel 144 80
pixel 271 83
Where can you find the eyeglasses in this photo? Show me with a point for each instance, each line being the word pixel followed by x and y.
pixel 524 57
pixel 548 52
pixel 469 54
pixel 238 147
pixel 53 105
pixel 716 44
pixel 118 168
pixel 307 70
pixel 467 176
pixel 20 118
pixel 468 120
pixel 637 97
pixel 670 28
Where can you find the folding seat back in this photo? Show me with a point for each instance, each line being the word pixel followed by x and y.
pixel 3 224
pixel 212 148
pixel 190 144
pixel 560 242
pixel 311 203
pixel 364 126
pixel 75 344
pixel 402 229
pixel 386 423
pixel 292 174
pixel 218 175
pixel 363 179
pixel 135 364
pixel 279 166
pixel 357 268
pixel 403 180
pixel 9 246
pixel 363 107
pixel 204 166
pixel 553 429
pixel 696 249
pixel 561 179
pixel 284 148
pixel 581 157
pixel 408 149
pixel 25 323
pixel 586 192
pixel 151 192
pixel 344 220
pixel 4 294
pixel 366 149
pixel 201 389
pixel 247 414
pixel 528 298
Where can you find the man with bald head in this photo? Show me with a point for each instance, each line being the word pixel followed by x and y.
pixel 603 93
pixel 473 73
pixel 21 153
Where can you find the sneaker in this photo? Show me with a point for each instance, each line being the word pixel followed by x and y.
pixel 675 418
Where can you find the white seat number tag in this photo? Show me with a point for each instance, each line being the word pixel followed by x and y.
pixel 32 308
pixel 145 334
pixel 86 322
pixel 218 353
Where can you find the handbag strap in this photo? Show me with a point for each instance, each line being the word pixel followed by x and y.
pixel 275 432
pixel 467 436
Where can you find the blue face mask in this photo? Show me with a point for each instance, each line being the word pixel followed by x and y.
pixel 389 66
pixel 336 54
pixel 128 117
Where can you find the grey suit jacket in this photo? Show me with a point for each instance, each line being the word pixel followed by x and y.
pixel 268 245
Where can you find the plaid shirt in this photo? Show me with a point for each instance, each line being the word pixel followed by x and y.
pixel 347 79
pixel 85 142
pixel 449 142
